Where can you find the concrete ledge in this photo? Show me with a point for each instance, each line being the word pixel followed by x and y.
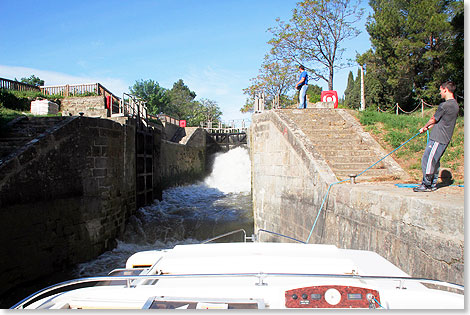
pixel 423 234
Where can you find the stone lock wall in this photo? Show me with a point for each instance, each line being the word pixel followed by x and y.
pixel 66 196
pixel 65 199
pixel 422 235
pixel 181 164
pixel 91 106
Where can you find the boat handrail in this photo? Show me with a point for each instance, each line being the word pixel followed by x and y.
pixel 259 275
pixel 253 238
pixel 227 234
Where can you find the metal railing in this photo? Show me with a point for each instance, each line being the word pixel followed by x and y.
pixel 168 119
pixel 232 126
pixel 135 107
pixel 228 234
pixel 259 275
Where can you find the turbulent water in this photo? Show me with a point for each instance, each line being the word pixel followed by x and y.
pixel 186 214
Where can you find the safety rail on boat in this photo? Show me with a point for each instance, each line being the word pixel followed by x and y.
pixel 259 275
pixel 230 233
pixel 253 237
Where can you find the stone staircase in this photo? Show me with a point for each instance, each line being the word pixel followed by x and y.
pixel 345 147
pixel 22 130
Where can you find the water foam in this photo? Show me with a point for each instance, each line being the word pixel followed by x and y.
pixel 231 172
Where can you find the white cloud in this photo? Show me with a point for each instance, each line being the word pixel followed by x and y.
pixel 115 86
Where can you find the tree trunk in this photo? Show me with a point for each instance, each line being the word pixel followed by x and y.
pixel 330 80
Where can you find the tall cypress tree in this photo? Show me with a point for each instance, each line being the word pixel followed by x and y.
pixel 349 90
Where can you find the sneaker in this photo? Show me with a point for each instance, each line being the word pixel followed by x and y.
pixel 422 188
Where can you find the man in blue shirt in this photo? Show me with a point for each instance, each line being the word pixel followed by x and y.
pixel 302 85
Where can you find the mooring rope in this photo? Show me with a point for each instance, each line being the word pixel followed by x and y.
pixel 329 187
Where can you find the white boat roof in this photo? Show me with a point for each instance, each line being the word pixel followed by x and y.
pixel 221 273
pixel 266 258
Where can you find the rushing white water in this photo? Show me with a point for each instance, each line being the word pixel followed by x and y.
pixel 186 214
pixel 231 172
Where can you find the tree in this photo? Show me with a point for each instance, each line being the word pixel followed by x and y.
pixel 178 102
pixel 314 36
pixel 150 91
pixel 313 93
pixel 32 80
pixel 182 104
pixel 349 90
pixel 276 78
pixel 375 79
pixel 411 43
pixel 455 58
pixel 352 94
pixel 210 110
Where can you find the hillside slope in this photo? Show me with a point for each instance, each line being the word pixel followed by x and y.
pixel 391 130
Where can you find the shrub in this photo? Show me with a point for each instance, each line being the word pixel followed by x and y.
pixel 21 100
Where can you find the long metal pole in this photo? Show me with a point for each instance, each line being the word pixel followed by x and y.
pixel 363 97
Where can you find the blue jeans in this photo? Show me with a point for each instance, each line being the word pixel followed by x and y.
pixel 303 96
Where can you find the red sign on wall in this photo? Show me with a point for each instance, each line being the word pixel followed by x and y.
pixel 330 96
pixel 182 123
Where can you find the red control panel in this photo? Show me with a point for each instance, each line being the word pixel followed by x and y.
pixel 332 296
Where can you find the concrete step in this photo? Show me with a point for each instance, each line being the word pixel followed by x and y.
pixel 23 131
pixel 346 153
pixel 321 123
pixel 340 146
pixel 354 165
pixel 343 149
pixel 369 173
pixel 351 159
pixel 334 140
pixel 39 121
pixel 332 144
pixel 326 131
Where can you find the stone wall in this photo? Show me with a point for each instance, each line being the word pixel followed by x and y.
pixel 91 106
pixel 181 164
pixel 422 235
pixel 66 198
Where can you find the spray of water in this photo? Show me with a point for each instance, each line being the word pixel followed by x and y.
pixel 187 214
pixel 231 172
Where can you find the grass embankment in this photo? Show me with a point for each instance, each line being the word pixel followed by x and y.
pixel 391 130
pixel 18 103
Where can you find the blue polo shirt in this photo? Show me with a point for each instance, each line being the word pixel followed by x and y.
pixel 303 75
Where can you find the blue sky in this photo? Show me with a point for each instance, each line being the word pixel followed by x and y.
pixel 215 46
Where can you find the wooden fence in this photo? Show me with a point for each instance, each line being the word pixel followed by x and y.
pixel 64 90
pixel 17 86
pixel 78 89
